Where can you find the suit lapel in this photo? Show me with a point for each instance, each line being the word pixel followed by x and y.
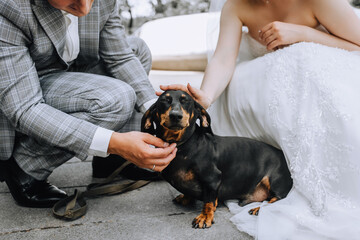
pixel 53 23
pixel 89 35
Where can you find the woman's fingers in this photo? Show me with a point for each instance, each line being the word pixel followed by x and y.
pixel 264 30
pixel 174 87
pixel 273 45
pixel 194 91
pixel 269 39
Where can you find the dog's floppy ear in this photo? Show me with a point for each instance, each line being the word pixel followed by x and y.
pixel 204 118
pixel 147 121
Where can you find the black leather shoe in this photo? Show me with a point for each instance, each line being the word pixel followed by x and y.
pixel 103 167
pixel 26 190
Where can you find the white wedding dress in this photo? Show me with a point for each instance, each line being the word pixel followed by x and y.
pixel 304 99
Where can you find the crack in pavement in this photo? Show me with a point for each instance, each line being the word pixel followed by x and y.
pixel 52 227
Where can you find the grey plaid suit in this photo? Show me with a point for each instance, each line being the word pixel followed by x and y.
pixel 49 109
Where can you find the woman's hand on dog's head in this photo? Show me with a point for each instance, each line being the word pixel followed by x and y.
pixel 197 94
pixel 136 148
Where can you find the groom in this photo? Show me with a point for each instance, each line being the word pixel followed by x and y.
pixel 69 82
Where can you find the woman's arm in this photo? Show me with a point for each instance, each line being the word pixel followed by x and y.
pixel 336 16
pixel 221 67
pixel 219 71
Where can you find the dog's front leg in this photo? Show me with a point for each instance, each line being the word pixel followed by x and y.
pixel 210 193
pixel 206 217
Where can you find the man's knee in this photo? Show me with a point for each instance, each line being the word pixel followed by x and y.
pixel 114 106
pixel 141 51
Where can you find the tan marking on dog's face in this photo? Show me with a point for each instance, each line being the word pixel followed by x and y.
pixel 168 94
pixel 185 121
pixel 191 117
pixel 165 118
pixel 166 122
pixel 174 135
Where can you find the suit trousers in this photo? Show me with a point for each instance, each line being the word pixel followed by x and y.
pixel 87 94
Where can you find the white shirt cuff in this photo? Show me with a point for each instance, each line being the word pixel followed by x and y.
pixel 100 143
pixel 147 105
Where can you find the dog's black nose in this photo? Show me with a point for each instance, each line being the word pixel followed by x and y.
pixel 175 115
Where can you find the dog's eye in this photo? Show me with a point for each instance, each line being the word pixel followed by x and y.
pixel 166 100
pixel 184 100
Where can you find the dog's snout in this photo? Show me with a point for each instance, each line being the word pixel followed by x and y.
pixel 176 115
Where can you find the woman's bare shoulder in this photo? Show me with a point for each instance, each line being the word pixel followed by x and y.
pixel 319 5
pixel 240 8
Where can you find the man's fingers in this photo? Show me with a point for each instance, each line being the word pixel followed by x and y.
pixel 163 148
pixel 161 152
pixel 155 141
pixel 161 164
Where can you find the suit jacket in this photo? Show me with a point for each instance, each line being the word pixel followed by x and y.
pixel 32 38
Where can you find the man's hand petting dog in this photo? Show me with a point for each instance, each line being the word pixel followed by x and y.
pixel 135 147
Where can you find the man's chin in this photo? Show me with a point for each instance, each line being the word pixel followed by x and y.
pixel 76 12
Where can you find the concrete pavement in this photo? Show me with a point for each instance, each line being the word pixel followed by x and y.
pixel 146 213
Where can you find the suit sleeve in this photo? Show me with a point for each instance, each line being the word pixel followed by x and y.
pixel 120 60
pixel 21 98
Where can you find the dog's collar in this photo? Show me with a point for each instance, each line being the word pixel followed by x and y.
pixel 178 144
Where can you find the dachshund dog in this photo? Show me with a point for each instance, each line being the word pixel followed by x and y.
pixel 209 167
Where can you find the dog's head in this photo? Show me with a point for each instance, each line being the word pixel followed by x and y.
pixel 173 117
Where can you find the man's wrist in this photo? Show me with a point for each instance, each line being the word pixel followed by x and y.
pixel 100 142
pixel 115 143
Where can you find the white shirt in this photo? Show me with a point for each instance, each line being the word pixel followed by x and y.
pixel 101 139
pixel 72 43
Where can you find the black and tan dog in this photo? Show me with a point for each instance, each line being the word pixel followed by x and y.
pixel 209 167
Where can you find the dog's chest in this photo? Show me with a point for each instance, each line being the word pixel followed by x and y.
pixel 182 175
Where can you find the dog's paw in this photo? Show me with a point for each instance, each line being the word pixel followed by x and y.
pixel 203 221
pixel 254 211
pixel 206 218
pixel 183 200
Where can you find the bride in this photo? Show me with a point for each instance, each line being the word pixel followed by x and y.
pixel 294 83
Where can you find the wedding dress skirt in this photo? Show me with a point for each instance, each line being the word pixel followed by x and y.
pixel 304 99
